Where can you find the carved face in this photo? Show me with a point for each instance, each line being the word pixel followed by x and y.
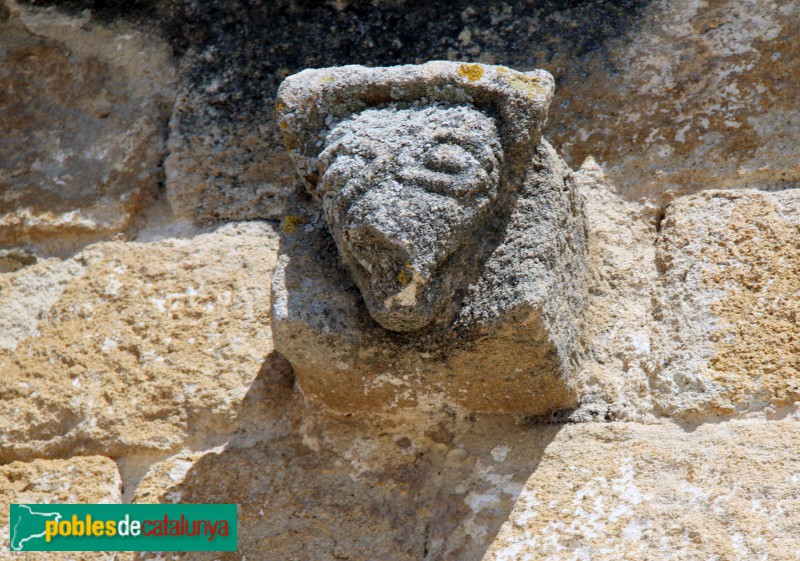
pixel 404 192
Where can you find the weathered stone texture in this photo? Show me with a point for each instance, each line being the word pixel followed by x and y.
pixel 83 111
pixel 82 479
pixel 157 351
pixel 27 295
pixel 623 348
pixel 218 171
pixel 296 503
pixel 696 96
pixel 227 159
pixel 730 306
pixel 670 97
pixel 154 345
pixel 404 205
pixel 412 488
pixel 625 491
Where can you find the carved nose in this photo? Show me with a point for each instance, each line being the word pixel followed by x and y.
pixel 395 227
pixel 378 249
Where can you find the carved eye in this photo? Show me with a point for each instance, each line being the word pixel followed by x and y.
pixel 336 174
pixel 450 170
pixel 448 158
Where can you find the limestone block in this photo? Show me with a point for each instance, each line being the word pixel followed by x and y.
pixel 487 489
pixel 625 491
pixel 339 489
pixel 437 252
pixel 82 113
pixel 154 344
pixel 729 310
pixel 296 503
pixel 28 294
pixel 82 479
pixel 619 315
pixel 694 98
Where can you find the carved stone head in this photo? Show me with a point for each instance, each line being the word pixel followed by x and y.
pixel 406 182
pixel 403 191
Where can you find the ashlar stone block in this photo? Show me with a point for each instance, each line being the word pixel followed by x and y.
pixel 728 306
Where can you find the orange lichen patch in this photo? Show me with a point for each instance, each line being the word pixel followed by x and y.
pixel 758 344
pixel 472 72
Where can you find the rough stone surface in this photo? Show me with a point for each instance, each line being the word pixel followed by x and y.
pixel 670 97
pixel 463 235
pixel 83 111
pixel 695 97
pixel 730 304
pixel 155 344
pixel 655 100
pixel 413 488
pixel 623 347
pixel 290 491
pixel 87 479
pixel 310 101
pixel 217 170
pixel 624 491
pixel 27 295
pixel 211 176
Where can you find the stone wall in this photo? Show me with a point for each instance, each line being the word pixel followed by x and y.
pixel 142 182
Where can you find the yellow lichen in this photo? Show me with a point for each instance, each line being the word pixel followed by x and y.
pixel 328 79
pixel 532 86
pixel 290 224
pixel 472 72
pixel 405 274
